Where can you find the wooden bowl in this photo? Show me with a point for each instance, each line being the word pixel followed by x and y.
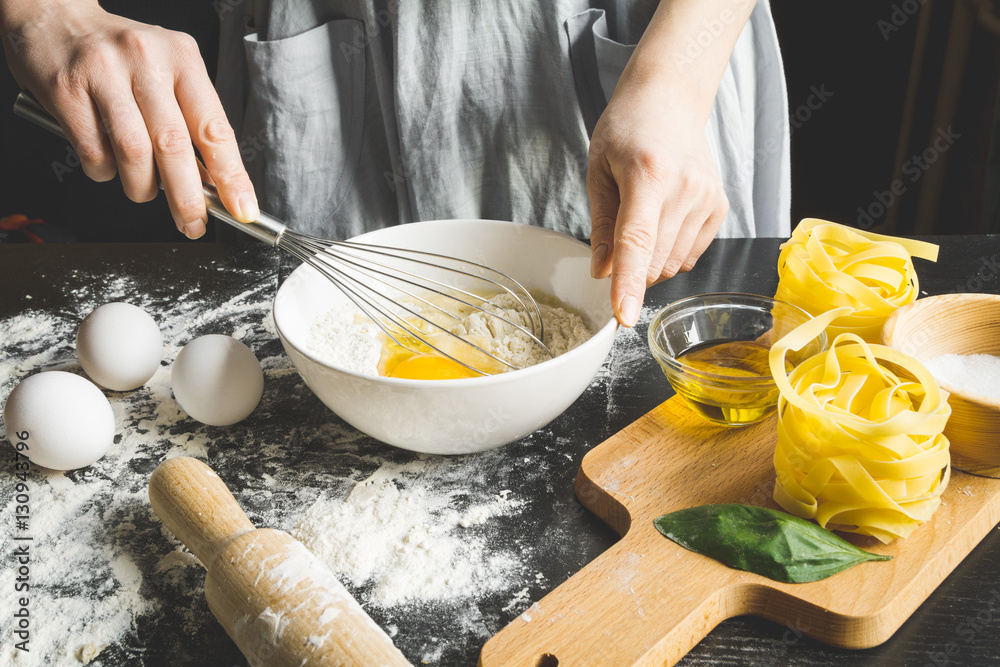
pixel 956 324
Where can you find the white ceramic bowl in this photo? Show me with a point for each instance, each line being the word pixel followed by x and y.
pixel 468 415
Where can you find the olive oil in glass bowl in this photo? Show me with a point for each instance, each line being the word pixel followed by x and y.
pixel 713 349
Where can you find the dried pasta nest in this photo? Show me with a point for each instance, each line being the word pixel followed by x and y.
pixel 825 265
pixel 860 444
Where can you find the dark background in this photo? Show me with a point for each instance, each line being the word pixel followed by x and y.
pixel 892 72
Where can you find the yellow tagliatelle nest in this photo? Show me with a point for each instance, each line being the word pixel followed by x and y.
pixel 825 266
pixel 860 447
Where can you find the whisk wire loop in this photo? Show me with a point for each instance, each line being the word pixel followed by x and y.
pixel 384 273
pixel 532 310
pixel 354 276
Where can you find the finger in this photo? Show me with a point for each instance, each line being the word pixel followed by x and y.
pixel 634 244
pixel 673 217
pixel 82 125
pixel 682 244
pixel 216 142
pixel 604 204
pixel 174 154
pixel 129 139
pixel 706 234
pixel 203 173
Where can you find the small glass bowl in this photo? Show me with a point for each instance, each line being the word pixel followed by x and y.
pixel 743 326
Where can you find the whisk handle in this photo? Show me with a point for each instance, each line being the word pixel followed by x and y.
pixel 265 228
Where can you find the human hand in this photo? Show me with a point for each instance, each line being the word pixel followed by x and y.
pixel 656 201
pixel 131 98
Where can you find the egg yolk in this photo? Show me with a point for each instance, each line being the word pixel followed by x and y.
pixel 417 361
pixel 430 367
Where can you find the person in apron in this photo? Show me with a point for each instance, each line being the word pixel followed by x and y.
pixel 649 128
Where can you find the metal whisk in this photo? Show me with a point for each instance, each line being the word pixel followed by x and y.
pixel 398 299
pixel 399 289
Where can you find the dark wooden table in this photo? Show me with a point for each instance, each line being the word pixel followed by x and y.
pixel 958 625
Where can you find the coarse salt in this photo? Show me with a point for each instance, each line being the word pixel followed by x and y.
pixel 975 373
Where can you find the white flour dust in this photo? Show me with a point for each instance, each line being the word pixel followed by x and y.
pixel 409 542
pixel 90 529
pixel 563 329
pixel 343 338
pixel 629 353
pixel 105 573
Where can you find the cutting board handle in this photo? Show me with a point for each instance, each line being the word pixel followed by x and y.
pixel 627 607
pixel 196 506
pixel 648 600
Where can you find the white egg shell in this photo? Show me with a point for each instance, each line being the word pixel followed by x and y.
pixel 217 380
pixel 119 346
pixel 65 419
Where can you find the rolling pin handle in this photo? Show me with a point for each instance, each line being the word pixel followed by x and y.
pixel 281 606
pixel 196 506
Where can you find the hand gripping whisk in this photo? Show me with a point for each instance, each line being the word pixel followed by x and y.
pixel 407 293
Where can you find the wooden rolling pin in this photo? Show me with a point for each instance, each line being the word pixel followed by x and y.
pixel 278 603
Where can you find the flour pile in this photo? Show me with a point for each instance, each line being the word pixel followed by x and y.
pixel 395 532
pixel 345 338
pixel 563 331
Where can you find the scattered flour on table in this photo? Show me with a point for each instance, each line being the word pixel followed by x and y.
pixel 394 532
pixel 84 583
pixel 629 353
pixel 520 599
pixel 414 533
pixel 407 534
pixel 91 529
pixel 345 338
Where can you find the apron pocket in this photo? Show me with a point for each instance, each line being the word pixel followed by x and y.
pixel 309 99
pixel 598 62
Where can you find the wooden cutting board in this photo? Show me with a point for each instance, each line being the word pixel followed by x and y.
pixel 648 601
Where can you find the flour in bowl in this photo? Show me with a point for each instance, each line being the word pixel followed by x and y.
pixel 345 338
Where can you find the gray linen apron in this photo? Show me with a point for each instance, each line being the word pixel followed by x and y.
pixel 357 114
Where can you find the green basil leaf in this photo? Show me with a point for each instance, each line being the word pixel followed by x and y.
pixel 773 544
